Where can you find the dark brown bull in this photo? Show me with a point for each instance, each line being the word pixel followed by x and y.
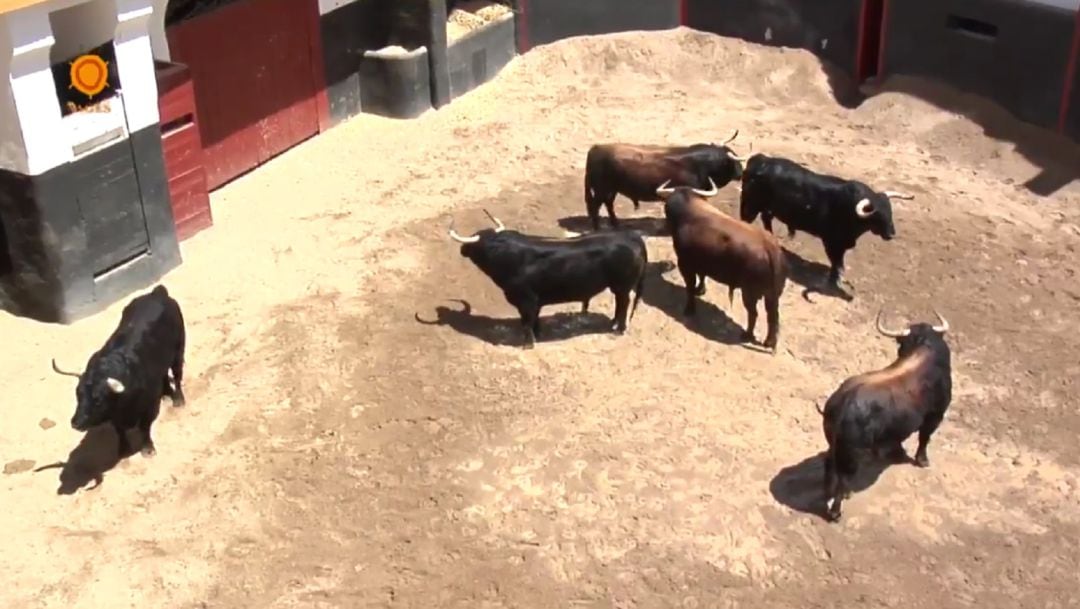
pixel 710 243
pixel 879 410
pixel 636 171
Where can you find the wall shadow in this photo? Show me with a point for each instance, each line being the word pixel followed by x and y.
pixel 507 331
pixel 800 486
pixel 709 322
pixel 94 456
pixel 1056 155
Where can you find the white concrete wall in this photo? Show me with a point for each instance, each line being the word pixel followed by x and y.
pixel 158 42
pixel 43 143
pixel 325 6
pixel 135 60
pixel 81 27
pixel 12 152
pixel 34 138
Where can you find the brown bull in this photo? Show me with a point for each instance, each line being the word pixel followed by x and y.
pixel 710 243
pixel 635 172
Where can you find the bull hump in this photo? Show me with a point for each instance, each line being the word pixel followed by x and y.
pixel 899 371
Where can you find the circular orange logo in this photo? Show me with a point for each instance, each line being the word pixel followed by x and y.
pixel 89 75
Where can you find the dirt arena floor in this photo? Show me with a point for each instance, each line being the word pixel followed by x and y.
pixel 336 452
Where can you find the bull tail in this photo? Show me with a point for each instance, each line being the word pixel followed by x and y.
pixel 817 406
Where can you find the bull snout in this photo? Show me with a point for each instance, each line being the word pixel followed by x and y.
pixel 80 422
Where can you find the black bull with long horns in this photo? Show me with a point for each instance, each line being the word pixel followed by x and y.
pixel 533 271
pixel 836 210
pixel 635 171
pixel 125 379
pixel 878 410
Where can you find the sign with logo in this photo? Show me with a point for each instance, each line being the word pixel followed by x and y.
pixel 89 74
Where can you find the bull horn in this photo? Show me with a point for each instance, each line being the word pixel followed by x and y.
pixel 892 194
pixel 741 159
pixel 887 332
pixel 943 327
pixel 864 209
pixel 663 189
pixel 498 225
pixel 708 193
pixel 114 385
pixel 732 138
pixel 456 237
pixel 57 370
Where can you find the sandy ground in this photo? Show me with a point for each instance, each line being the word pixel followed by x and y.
pixel 335 452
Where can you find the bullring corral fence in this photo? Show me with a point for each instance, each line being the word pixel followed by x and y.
pixel 1022 54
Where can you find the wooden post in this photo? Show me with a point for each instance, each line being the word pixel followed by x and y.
pixel 436 47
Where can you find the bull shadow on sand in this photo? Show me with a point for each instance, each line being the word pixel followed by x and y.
pixel 95 455
pixel 813 277
pixel 800 486
pixel 507 331
pixel 709 321
pixel 650 226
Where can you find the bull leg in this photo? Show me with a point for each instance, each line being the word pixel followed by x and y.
pixel 836 262
pixel 622 306
pixel 530 323
pixel 148 449
pixel 593 209
pixel 609 204
pixel 749 300
pixel 177 395
pixel 585 306
pixel 772 317
pixel 830 490
pixel 637 204
pixel 790 232
pixel 690 278
pixel 928 428
pixel 766 220
pixel 842 469
pixel 123 447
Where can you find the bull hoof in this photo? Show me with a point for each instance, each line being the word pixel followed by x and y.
pixel 178 400
pixel 922 461
pixel 747 337
pixel 832 511
pixel 148 451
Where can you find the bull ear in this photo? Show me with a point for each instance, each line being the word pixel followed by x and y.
pixel 114 385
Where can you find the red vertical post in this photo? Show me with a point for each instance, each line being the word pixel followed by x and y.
pixel 884 38
pixel 523 25
pixel 1070 75
pixel 682 12
pixel 318 65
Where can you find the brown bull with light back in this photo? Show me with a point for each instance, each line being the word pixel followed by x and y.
pixel 710 243
pixel 635 171
pixel 879 410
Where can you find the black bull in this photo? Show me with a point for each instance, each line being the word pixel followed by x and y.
pixel 124 380
pixel 878 410
pixel 836 210
pixel 636 171
pixel 535 271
